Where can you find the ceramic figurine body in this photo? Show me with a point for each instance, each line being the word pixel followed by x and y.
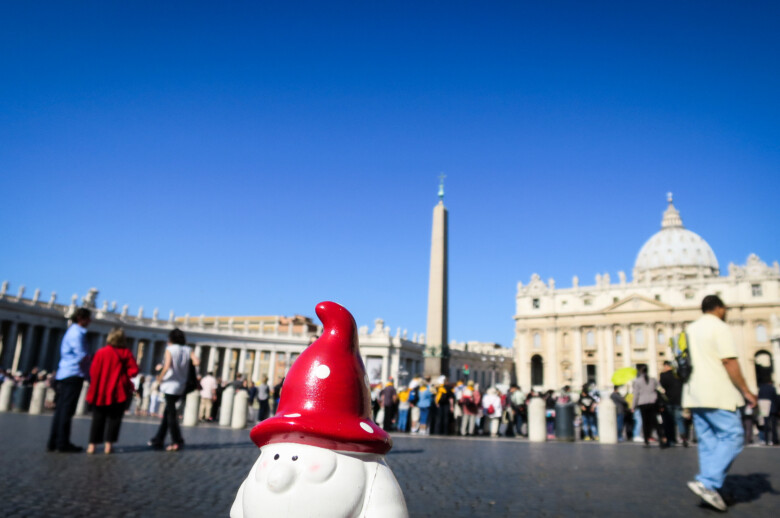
pixel 304 481
pixel 321 454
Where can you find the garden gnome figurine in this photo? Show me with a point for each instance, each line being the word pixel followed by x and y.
pixel 321 454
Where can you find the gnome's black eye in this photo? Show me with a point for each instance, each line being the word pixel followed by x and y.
pixel 276 457
pixel 295 457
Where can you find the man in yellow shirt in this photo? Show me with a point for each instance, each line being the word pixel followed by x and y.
pixel 714 392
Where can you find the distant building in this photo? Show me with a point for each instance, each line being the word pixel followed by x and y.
pixel 584 333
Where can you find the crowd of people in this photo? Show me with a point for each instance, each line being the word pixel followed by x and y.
pixel 648 410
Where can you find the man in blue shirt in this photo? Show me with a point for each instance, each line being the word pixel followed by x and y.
pixel 70 377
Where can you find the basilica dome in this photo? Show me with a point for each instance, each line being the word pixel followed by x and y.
pixel 675 252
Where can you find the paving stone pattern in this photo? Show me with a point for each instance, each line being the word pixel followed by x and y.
pixel 440 477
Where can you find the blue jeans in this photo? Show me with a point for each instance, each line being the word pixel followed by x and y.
pixel 589 425
pixel 720 441
pixel 637 423
pixel 403 415
pixel 620 426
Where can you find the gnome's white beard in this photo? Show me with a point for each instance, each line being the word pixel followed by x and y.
pixel 297 480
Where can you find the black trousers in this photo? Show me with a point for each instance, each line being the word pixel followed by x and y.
pixel 68 392
pixel 170 421
pixel 265 409
pixel 650 422
pixel 106 419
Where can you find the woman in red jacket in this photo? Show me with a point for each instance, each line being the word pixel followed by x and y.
pixel 110 389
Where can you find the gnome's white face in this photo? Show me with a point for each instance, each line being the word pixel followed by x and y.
pixel 297 480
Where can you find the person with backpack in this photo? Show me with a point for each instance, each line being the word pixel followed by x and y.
pixel 173 383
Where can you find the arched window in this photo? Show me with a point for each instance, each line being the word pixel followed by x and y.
pixel 660 337
pixel 537 341
pixel 590 339
pixel 639 336
pixel 761 333
pixel 618 338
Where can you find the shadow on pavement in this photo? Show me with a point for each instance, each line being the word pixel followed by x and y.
pixel 740 489
pixel 401 452
pixel 188 446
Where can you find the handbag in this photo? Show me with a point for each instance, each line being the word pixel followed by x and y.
pixel 192 379
pixel 490 409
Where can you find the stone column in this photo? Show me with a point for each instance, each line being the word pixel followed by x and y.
pixel 212 362
pixel 537 420
pixel 6 391
pixel 551 370
pixel 81 406
pixel 607 421
pixel 9 346
pixel 652 364
pixel 191 407
pixel 238 418
pixel 385 367
pixel 395 364
pixel 241 367
pixel 226 366
pixel 578 376
pixel 624 332
pixel 601 354
pixel 256 367
pixel 45 348
pixel 521 360
pixel 272 369
pixel 226 408
pixel 610 343
pixel 22 338
pixel 38 395
pixel 28 349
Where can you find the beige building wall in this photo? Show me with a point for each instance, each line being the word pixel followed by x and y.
pixel 584 333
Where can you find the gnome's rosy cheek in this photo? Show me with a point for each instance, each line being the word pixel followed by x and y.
pixel 320 468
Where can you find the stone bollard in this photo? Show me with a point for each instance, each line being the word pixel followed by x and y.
pixel 6 391
pixel 240 402
pixel 226 408
pixel 81 407
pixel 537 420
pixel 38 397
pixel 607 421
pixel 191 406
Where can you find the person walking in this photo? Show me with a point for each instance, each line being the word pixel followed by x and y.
pixel 71 372
pixel 767 404
pixel 621 408
pixel 110 390
pixel 672 386
pixel 173 380
pixel 714 392
pixel 388 399
pixel 208 394
pixel 646 400
pixel 491 406
pixel 425 402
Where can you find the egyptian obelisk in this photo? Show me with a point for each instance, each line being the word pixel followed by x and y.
pixel 437 350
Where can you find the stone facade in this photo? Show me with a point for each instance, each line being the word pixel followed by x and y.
pixel 584 333
pixel 31 331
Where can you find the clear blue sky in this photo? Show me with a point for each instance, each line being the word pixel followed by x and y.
pixel 259 157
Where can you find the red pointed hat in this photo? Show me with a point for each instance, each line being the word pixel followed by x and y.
pixel 326 398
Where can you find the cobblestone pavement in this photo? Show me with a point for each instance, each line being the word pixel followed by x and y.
pixel 440 477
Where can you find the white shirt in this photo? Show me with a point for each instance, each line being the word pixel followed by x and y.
pixel 710 341
pixel 175 378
